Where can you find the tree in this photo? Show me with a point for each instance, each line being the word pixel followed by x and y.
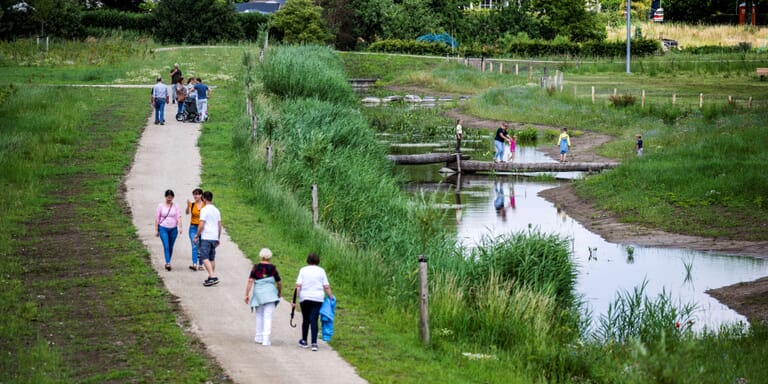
pixel 211 20
pixel 300 21
pixel 568 18
pixel 409 20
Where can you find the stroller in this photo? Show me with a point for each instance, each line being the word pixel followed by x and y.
pixel 190 111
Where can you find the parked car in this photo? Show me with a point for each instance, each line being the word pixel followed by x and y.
pixel 658 15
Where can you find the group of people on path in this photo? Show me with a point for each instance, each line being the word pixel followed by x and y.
pixel 194 89
pixel 264 287
pixel 204 230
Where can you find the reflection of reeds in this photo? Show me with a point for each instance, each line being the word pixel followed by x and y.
pixel 630 254
pixel 688 264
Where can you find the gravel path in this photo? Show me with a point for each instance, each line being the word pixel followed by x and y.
pixel 168 158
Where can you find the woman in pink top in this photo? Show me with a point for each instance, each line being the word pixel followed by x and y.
pixel 168 225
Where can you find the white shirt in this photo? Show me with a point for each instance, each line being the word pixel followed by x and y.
pixel 212 218
pixel 313 280
pixel 160 91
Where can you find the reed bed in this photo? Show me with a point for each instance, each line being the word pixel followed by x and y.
pixel 688 35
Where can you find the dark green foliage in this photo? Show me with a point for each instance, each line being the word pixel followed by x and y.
pixel 54 18
pixel 527 135
pixel 299 22
pixel 252 23
pixel 114 19
pixel 409 46
pixel 196 21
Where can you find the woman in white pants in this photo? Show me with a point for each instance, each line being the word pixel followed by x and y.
pixel 262 293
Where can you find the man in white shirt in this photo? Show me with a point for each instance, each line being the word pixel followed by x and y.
pixel 208 237
pixel 159 98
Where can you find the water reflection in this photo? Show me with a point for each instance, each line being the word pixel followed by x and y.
pixel 487 205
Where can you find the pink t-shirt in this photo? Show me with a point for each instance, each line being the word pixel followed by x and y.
pixel 512 145
pixel 168 217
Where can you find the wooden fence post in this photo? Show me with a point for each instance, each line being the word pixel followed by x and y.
pixel 674 98
pixel 530 71
pixel 517 73
pixel 269 157
pixel 593 94
pixel 254 127
pixel 749 104
pixel 615 92
pixel 701 100
pixel 423 300
pixel 642 100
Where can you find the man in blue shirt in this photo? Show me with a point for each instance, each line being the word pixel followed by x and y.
pixel 158 100
pixel 203 93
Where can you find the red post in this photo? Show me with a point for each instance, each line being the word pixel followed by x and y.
pixel 754 14
pixel 742 13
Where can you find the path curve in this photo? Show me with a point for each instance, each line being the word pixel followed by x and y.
pixel 168 157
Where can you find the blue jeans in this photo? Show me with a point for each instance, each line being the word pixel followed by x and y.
pixel 159 110
pixel 181 107
pixel 168 237
pixel 499 145
pixel 192 234
pixel 310 312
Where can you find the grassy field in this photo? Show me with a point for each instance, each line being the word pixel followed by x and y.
pixel 75 152
pixel 697 35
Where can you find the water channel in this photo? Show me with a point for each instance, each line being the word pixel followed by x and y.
pixel 494 205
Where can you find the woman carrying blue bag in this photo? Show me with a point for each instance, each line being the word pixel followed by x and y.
pixel 312 285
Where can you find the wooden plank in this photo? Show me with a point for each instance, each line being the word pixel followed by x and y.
pixel 427 158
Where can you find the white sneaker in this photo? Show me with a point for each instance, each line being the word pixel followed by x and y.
pixel 257 340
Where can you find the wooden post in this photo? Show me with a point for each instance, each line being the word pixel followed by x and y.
pixel 517 67
pixel 593 94
pixel 674 98
pixel 490 65
pixel 749 104
pixel 458 161
pixel 642 100
pixel 423 300
pixel 249 106
pixel 561 81
pixel 615 92
pixel 269 157
pixel 314 204
pixel 574 91
pixel 530 71
pixel 701 100
pixel 501 67
pixel 254 127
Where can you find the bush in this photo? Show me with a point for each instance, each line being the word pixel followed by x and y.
pixel 527 135
pixel 623 100
pixel 113 19
pixel 251 23
pixel 214 21
pixel 409 46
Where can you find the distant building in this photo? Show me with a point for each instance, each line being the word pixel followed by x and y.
pixel 261 6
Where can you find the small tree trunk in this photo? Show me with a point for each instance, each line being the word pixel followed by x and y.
pixel 314 204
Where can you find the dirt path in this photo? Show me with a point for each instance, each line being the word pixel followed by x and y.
pixel 217 315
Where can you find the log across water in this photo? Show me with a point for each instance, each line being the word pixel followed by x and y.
pixel 472 166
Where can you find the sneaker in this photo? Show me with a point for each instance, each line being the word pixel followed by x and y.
pixel 314 347
pixel 214 280
pixel 209 282
pixel 303 344
pixel 200 267
pixel 257 340
pixel 193 267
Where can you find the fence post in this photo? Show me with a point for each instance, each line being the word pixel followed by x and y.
pixel 423 300
pixel 254 127
pixel 269 157
pixel 615 92
pixel 517 73
pixel 314 204
pixel 561 82
pixel 530 71
pixel 674 98
pixel 501 67
pixel 593 94
pixel 749 104
pixel 701 100
pixel 642 100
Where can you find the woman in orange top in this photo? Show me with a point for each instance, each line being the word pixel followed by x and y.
pixel 193 208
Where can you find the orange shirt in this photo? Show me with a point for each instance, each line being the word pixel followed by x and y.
pixel 195 212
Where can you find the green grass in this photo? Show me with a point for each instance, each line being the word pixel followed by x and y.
pixel 368 249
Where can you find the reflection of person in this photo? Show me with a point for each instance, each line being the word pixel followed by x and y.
pixel 209 237
pixel 639 145
pixel 498 143
pixel 159 98
pixel 312 286
pixel 498 203
pixel 262 293
pixel 512 146
pixel 459 135
pixel 564 141
pixel 193 209
pixel 512 196
pixel 168 225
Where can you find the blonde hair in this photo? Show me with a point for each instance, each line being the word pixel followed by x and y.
pixel 265 254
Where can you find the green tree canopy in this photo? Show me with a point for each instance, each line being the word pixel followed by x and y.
pixel 300 21
pixel 196 21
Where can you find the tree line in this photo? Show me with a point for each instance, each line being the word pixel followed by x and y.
pixel 350 24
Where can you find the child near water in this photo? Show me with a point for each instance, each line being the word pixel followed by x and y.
pixel 564 141
pixel 512 145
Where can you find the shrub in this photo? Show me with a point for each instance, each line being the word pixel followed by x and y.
pixel 528 135
pixel 624 100
pixel 409 46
